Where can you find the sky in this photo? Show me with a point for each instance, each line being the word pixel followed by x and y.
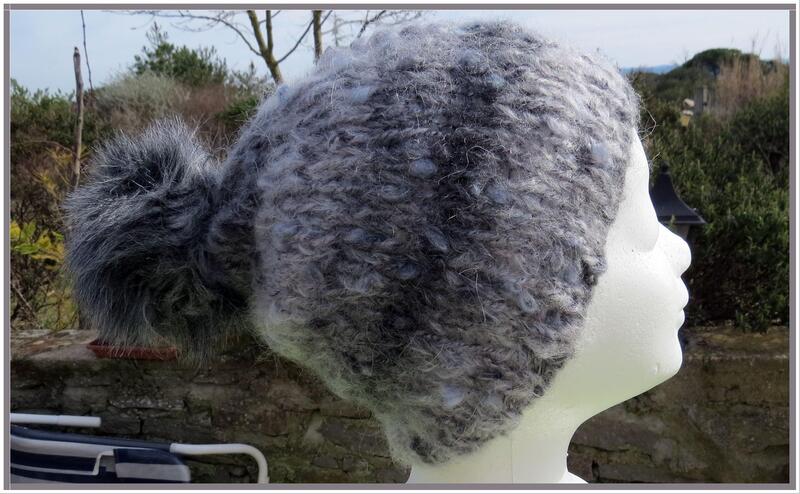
pixel 42 41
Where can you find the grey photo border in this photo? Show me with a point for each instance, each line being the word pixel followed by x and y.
pixel 791 486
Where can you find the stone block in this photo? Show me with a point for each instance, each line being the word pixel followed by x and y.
pixel 81 399
pixel 324 461
pixel 635 473
pixel 358 436
pixel 118 424
pixel 341 408
pixel 392 475
pixel 288 395
pixel 126 402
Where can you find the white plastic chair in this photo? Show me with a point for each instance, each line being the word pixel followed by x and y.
pixel 43 456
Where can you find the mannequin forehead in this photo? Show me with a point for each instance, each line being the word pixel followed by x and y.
pixel 636 216
pixel 638 165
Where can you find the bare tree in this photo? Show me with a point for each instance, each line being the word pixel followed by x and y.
pixel 264 47
pixel 360 24
pixel 251 33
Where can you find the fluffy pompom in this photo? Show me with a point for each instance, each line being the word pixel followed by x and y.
pixel 137 243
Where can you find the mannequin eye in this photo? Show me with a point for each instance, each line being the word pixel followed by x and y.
pixel 653 230
pixel 656 236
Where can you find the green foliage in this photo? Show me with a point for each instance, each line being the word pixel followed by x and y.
pixel 40 252
pixel 47 246
pixel 680 83
pixel 762 128
pixel 30 112
pixel 239 111
pixel 42 134
pixel 250 89
pixel 42 126
pixel 193 67
pixel 735 172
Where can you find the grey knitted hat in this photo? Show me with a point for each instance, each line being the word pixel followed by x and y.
pixel 419 221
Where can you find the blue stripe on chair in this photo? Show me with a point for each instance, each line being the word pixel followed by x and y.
pixel 145 456
pixel 52 461
pixel 78 438
pixel 58 457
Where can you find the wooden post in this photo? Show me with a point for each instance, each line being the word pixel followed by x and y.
pixel 76 163
pixel 700 100
pixel 78 145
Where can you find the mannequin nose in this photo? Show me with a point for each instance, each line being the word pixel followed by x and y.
pixel 677 250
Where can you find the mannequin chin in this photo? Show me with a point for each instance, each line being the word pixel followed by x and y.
pixel 628 344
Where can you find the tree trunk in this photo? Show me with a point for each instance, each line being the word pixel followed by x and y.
pixel 317 16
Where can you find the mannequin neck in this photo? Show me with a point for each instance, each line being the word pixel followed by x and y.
pixel 534 452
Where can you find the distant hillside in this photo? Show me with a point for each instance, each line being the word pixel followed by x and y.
pixel 680 81
pixel 654 69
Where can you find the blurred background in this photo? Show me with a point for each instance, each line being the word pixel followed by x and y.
pixel 715 93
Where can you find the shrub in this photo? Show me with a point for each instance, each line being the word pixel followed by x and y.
pixel 129 102
pixel 735 172
pixel 742 79
pixel 239 111
pixel 191 67
pixel 41 160
pixel 39 251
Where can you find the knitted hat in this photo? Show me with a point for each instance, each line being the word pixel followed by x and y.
pixel 419 221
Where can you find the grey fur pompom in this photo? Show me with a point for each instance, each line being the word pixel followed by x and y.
pixel 138 243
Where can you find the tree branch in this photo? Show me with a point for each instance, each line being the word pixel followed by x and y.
pixel 303 36
pixel 368 21
pixel 265 48
pixel 297 43
pixel 86 53
pixel 24 302
pixel 222 18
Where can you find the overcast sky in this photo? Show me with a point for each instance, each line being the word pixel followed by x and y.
pixel 41 41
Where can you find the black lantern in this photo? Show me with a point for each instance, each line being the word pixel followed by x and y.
pixel 671 210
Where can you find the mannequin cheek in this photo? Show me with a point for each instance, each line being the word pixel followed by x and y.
pixel 629 341
pixel 640 316
pixel 658 297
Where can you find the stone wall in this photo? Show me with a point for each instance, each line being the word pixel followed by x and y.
pixel 724 418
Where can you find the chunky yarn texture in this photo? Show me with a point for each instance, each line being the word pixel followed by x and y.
pixel 420 221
